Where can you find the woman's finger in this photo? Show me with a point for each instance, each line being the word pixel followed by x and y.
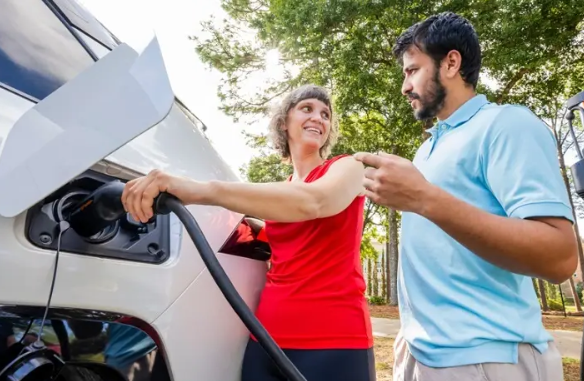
pixel 126 193
pixel 137 195
pixel 150 192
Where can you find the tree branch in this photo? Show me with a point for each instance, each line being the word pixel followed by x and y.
pixel 516 78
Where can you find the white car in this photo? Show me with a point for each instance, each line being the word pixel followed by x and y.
pixel 79 109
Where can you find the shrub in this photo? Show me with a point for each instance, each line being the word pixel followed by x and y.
pixel 377 300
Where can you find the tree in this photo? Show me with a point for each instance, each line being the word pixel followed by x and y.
pixel 346 46
pixel 384 292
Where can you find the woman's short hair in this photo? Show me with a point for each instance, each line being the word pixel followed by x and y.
pixel 279 137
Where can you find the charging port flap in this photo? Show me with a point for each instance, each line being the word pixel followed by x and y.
pixel 115 100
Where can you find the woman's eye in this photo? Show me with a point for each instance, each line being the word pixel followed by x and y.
pixel 306 108
pixel 325 115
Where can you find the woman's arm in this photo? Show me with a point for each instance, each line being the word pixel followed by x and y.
pixel 280 201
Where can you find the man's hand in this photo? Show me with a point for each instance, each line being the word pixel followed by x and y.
pixel 394 182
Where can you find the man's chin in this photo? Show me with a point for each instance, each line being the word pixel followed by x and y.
pixel 424 114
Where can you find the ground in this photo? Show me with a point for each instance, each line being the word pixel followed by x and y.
pixel 384 362
pixel 569 323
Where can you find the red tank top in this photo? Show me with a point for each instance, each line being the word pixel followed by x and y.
pixel 314 293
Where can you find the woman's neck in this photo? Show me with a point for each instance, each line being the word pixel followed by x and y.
pixel 303 164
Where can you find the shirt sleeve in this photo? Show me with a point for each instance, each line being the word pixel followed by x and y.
pixel 520 165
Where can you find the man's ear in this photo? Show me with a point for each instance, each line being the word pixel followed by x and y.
pixel 451 64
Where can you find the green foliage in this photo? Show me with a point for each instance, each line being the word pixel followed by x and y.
pixel 579 288
pixel 532 49
pixel 266 168
pixel 377 300
pixel 555 304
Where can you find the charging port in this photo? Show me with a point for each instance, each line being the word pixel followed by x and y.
pixel 123 238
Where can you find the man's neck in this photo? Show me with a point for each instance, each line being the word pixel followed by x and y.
pixel 454 101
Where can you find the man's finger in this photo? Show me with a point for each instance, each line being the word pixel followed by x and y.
pixel 386 155
pixel 369 159
pixel 369 185
pixel 370 173
pixel 373 197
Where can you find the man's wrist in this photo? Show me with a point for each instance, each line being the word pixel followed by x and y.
pixel 431 201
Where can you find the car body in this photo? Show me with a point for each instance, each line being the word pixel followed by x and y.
pixel 135 300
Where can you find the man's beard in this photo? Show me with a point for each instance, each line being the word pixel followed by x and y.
pixel 432 102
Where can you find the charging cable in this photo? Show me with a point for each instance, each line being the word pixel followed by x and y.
pixel 166 203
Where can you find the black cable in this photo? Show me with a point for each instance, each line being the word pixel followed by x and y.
pixel 164 204
pixel 63 225
pixel 26 331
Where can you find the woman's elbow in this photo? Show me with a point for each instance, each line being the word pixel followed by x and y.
pixel 310 211
pixel 313 206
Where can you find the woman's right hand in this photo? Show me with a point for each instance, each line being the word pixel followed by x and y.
pixel 139 194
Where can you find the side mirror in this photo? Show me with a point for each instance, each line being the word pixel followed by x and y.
pixel 115 100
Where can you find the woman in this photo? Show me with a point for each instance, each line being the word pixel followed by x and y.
pixel 313 304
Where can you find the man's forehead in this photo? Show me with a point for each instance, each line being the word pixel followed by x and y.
pixel 414 56
pixel 412 53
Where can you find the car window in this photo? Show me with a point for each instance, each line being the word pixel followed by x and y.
pixel 38 54
pixel 82 19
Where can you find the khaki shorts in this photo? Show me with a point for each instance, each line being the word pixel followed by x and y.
pixel 532 366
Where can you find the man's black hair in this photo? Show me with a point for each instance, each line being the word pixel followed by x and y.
pixel 438 35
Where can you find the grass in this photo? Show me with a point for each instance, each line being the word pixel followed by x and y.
pixel 384 362
pixel 551 322
pixel 383 358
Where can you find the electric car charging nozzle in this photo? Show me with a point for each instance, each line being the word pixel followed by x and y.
pixel 98 210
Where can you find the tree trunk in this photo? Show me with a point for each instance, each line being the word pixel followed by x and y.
pixel 576 229
pixel 375 279
pixel 544 305
pixel 388 265
pixel 575 294
pixel 393 256
pixel 369 277
pixel 383 275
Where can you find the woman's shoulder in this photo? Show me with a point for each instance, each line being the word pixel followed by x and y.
pixel 338 157
pixel 329 162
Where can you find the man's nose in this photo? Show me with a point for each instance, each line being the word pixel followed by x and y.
pixel 406 87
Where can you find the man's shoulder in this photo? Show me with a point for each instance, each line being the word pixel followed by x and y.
pixel 512 120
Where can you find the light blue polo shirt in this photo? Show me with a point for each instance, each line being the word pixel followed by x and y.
pixel 456 308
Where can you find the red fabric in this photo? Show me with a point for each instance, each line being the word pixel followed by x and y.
pixel 314 294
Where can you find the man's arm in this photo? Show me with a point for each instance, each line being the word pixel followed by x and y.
pixel 539 247
pixel 520 166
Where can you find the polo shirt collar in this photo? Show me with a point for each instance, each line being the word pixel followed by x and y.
pixel 462 114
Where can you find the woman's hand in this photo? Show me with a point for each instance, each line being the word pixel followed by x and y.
pixel 139 194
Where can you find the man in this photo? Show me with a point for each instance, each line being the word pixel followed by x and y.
pixel 484 209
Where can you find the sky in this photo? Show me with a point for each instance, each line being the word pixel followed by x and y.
pixel 135 21
pixel 173 21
